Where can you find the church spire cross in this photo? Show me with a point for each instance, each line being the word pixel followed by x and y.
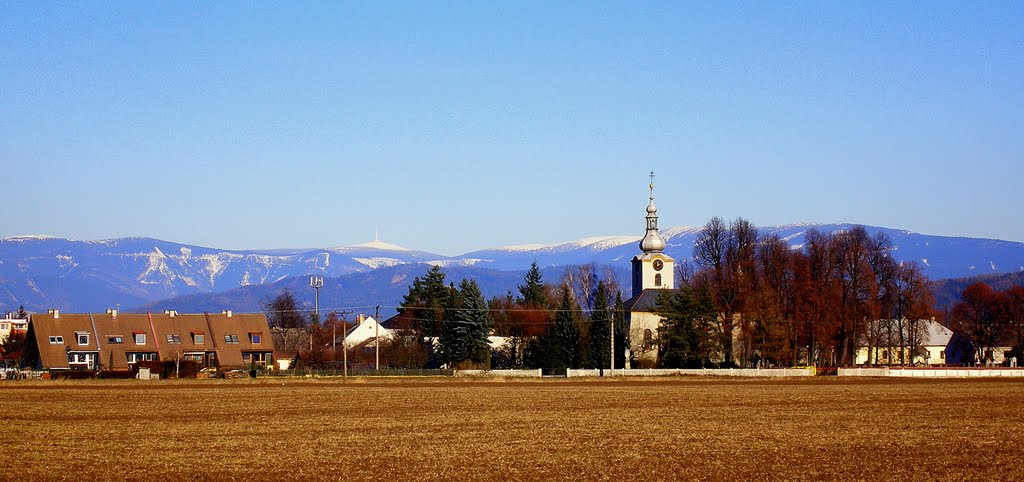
pixel 652 242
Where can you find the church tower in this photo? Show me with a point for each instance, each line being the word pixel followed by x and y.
pixel 652 268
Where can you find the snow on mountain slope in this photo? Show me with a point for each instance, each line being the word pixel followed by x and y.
pixel 43 272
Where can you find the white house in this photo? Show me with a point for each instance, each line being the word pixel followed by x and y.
pixel 932 345
pixel 365 333
pixel 9 324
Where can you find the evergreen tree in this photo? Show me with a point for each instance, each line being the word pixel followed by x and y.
pixel 688 336
pixel 564 345
pixel 621 331
pixel 532 293
pixel 427 302
pixel 600 329
pixel 464 334
pixel 475 313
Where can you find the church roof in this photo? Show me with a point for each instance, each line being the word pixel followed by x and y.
pixel 644 302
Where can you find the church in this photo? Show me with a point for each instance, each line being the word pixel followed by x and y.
pixel 653 271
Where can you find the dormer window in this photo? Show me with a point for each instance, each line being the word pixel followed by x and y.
pixel 82 338
pixel 198 338
pixel 255 338
pixel 140 337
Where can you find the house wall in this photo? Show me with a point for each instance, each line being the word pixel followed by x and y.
pixel 9 325
pixel 935 355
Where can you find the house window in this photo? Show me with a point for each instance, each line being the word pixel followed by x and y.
pixel 115 339
pixel 257 358
pixel 204 359
pixel 134 357
pixel 56 340
pixel 231 339
pixel 198 338
pixel 5 326
pixel 648 339
pixel 657 279
pixel 81 361
pixel 942 355
pixel 140 338
pixel 83 338
pixel 174 339
pixel 256 338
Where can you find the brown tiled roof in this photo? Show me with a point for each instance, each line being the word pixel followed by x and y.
pixel 156 327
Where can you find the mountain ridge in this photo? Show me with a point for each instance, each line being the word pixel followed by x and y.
pixel 43 272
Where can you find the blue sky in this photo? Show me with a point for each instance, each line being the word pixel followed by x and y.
pixel 455 126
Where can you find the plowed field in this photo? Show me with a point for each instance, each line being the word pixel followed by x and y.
pixel 410 429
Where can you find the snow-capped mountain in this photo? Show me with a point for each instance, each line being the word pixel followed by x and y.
pixel 939 256
pixel 44 272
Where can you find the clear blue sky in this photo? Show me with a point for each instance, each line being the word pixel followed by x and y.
pixel 456 126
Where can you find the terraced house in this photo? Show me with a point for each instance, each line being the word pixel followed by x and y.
pixel 118 341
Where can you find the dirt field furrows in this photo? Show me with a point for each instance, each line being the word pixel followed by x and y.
pixel 418 429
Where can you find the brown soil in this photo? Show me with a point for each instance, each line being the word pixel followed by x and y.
pixel 412 429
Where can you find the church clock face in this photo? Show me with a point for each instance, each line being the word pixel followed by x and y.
pixel 658 265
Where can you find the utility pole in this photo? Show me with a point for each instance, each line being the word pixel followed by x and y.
pixel 611 353
pixel 344 348
pixel 376 335
pixel 334 335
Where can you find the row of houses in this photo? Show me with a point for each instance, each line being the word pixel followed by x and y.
pixel 227 340
pixel 926 343
pixel 118 341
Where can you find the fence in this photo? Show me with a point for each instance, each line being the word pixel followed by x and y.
pixel 939 372
pixel 358 372
pixel 499 373
pixel 719 372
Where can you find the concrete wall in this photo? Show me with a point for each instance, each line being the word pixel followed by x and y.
pixel 931 372
pixel 720 372
pixel 498 373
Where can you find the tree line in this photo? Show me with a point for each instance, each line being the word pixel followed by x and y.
pixel 744 300
pixel 989 319
pixel 752 300
pixel 563 325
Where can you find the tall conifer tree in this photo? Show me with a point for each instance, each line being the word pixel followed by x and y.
pixel 600 328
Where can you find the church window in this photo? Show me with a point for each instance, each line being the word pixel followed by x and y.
pixel 657 279
pixel 648 339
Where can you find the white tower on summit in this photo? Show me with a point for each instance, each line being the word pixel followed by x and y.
pixel 652 268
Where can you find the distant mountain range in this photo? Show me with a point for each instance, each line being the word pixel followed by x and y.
pixel 42 272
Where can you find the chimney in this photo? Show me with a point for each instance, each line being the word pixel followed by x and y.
pixel 171 313
pixel 112 312
pixel 55 312
pixel 226 313
pixel 360 318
